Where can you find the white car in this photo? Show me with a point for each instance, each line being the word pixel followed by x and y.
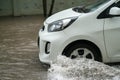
pixel 91 32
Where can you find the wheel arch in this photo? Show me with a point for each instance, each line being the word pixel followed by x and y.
pixel 86 42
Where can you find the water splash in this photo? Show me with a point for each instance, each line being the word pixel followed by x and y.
pixel 81 69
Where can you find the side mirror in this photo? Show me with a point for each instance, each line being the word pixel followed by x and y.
pixel 114 11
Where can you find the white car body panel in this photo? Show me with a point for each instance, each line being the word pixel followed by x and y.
pixel 112 38
pixel 86 27
pixel 60 15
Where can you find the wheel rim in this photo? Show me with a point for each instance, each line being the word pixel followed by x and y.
pixel 82 53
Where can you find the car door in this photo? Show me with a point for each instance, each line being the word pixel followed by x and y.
pixel 112 36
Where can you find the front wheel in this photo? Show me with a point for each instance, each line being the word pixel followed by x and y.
pixel 82 50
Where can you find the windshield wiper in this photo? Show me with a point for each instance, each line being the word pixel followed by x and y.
pixel 80 9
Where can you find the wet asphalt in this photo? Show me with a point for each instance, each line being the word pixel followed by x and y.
pixel 18 48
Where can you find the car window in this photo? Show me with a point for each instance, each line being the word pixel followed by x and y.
pixel 117 4
pixel 90 7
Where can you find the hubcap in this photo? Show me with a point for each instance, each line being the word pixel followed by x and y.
pixel 82 53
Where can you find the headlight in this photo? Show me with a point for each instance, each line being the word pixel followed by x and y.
pixel 60 24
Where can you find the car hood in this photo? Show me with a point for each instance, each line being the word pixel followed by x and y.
pixel 62 15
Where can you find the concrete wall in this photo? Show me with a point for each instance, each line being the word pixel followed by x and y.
pixel 20 7
pixel 27 7
pixel 33 7
pixel 6 7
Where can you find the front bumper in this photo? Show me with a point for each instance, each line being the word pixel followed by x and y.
pixel 56 42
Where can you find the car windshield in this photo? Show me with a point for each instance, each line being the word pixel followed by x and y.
pixel 90 7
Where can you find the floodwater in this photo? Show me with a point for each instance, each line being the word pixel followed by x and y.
pixel 18 49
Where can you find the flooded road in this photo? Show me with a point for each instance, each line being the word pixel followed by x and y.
pixel 18 49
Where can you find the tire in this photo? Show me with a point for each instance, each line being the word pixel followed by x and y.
pixel 82 50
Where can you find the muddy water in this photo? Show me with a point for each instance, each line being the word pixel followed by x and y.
pixel 18 49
